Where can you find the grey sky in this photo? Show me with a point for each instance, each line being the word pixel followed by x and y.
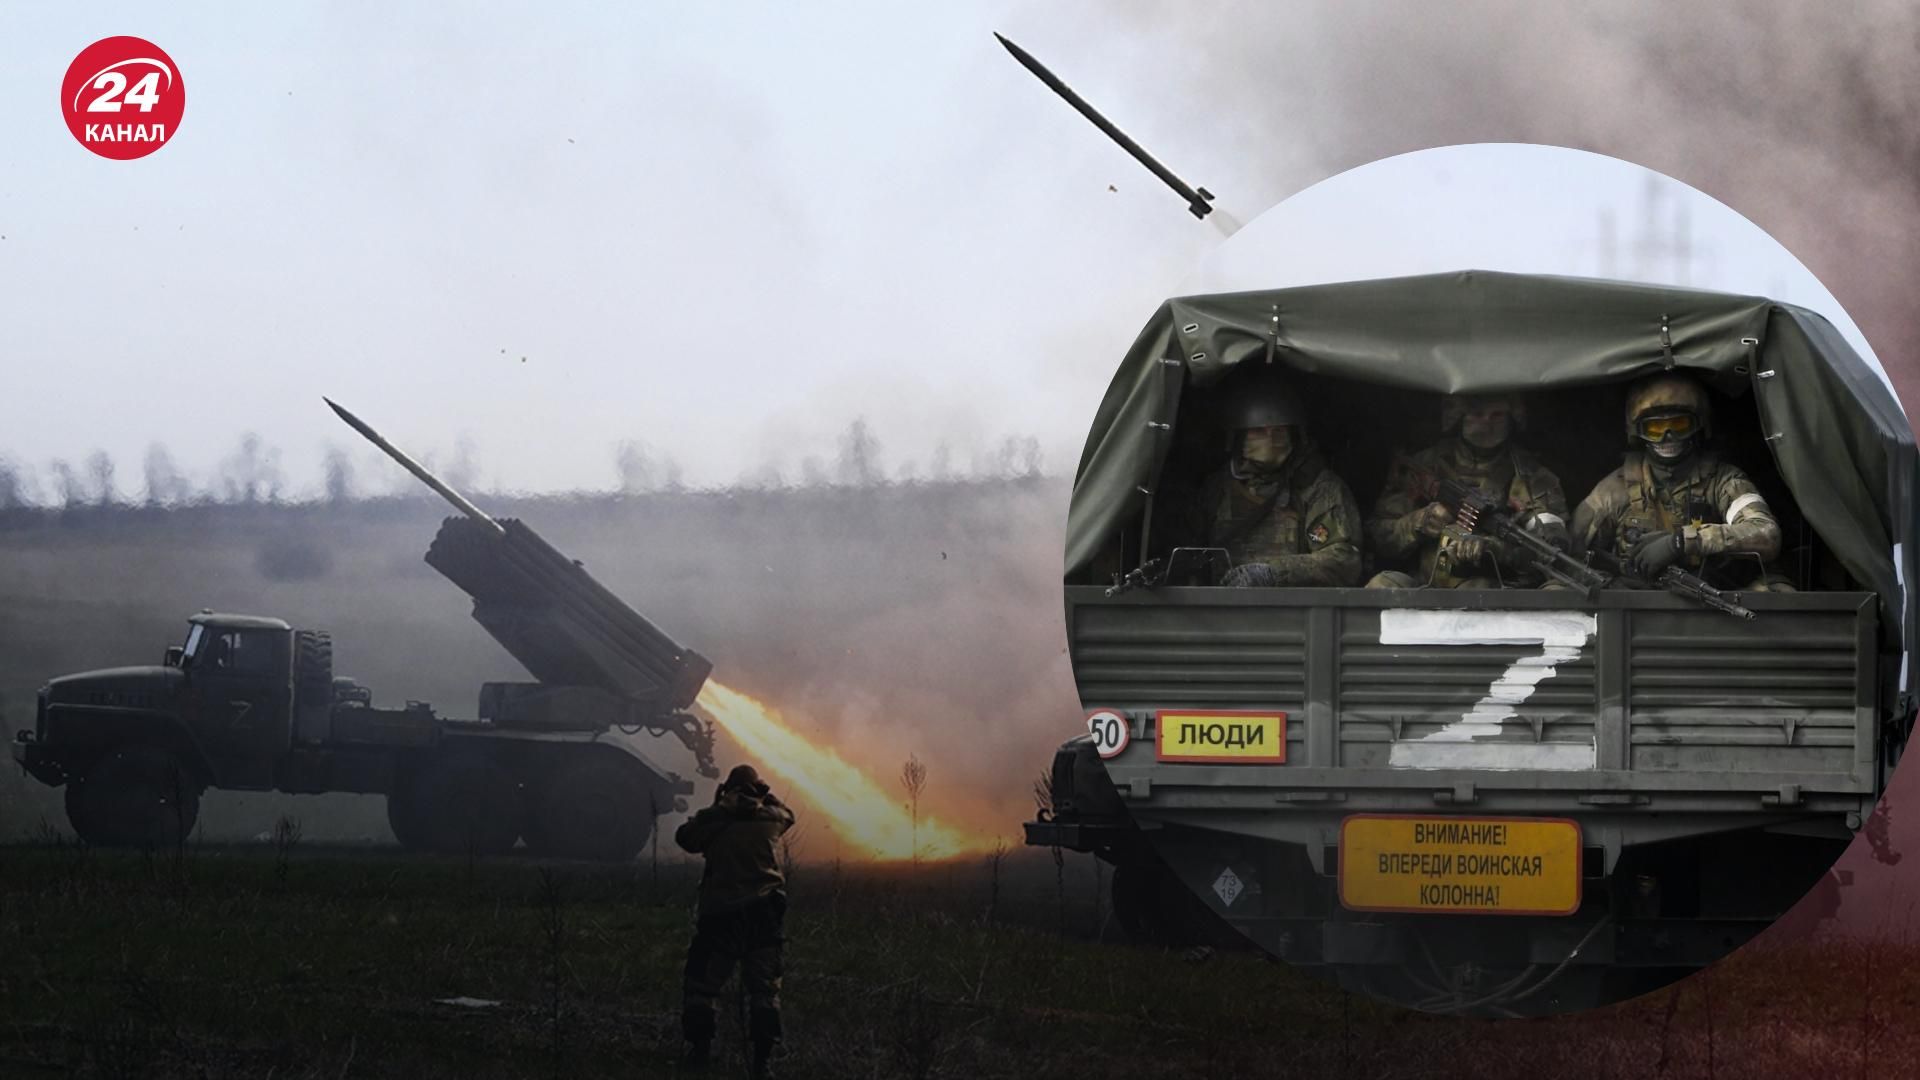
pixel 720 230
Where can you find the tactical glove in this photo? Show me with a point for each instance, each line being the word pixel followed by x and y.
pixel 1655 552
pixel 1252 576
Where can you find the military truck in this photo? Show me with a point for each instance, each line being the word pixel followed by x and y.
pixel 1644 783
pixel 253 704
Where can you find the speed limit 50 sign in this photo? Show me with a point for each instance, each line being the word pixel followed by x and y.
pixel 1111 732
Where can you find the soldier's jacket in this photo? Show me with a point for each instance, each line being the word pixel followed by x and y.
pixel 1715 504
pixel 1303 522
pixel 1527 485
pixel 737 835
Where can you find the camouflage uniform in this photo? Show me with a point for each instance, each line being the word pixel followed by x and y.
pixel 1294 525
pixel 1674 503
pixel 1393 528
pixel 1713 504
pixel 743 907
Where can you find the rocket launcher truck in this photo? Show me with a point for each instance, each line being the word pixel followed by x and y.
pixel 251 703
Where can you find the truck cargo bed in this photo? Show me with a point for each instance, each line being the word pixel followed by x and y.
pixel 1523 701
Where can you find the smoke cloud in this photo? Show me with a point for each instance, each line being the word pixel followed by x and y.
pixel 1806 119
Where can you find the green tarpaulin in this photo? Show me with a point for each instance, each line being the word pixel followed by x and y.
pixel 1839 438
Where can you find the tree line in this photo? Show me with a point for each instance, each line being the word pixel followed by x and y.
pixel 251 473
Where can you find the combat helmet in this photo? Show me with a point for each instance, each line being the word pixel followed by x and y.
pixel 1665 395
pixel 1263 399
pixel 1454 407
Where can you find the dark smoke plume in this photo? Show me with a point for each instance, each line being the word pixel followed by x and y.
pixel 1803 117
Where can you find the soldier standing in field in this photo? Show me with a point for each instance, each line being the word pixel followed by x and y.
pixel 1409 526
pixel 1673 501
pixel 743 908
pixel 1283 516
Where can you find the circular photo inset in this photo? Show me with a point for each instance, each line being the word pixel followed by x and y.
pixel 1486 587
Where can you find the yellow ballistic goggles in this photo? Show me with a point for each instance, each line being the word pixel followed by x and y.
pixel 1657 428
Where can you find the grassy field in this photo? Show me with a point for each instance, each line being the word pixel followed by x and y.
pixel 884 623
pixel 288 962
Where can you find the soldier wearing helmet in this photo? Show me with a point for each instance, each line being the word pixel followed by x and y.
pixel 1408 526
pixel 1283 516
pixel 1673 501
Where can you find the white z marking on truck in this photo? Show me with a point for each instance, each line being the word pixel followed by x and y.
pixel 1467 743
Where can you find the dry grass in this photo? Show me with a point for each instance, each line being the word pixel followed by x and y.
pixel 221 963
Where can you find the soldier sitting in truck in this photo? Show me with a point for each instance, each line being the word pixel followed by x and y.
pixel 1283 516
pixel 1674 502
pixel 1412 526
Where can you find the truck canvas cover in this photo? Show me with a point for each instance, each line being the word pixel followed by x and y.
pixel 1838 437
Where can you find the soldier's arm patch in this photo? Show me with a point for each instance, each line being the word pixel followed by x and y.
pixel 1317 535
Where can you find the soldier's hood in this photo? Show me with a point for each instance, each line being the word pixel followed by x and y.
pixel 745 805
pixel 1302 467
pixel 1685 471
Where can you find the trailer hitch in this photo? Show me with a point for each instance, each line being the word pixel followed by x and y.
pixel 695 733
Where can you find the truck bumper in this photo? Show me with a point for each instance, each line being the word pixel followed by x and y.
pixel 1077 835
pixel 40 760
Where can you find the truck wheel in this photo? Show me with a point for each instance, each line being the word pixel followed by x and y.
pixel 403 813
pixel 135 796
pixel 1133 899
pixel 1156 908
pixel 77 811
pixel 597 808
pixel 464 804
pixel 313 666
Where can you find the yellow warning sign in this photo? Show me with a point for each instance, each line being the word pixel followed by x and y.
pixel 1227 737
pixel 1497 866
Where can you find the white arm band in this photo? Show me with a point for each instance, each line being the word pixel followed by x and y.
pixel 1742 504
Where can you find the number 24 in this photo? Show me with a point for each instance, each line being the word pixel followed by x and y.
pixel 145 93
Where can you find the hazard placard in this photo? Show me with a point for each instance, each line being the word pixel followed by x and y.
pixel 1442 864
pixel 1231 738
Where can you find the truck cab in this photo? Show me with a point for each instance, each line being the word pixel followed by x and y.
pixel 237 695
pixel 250 703
pixel 135 746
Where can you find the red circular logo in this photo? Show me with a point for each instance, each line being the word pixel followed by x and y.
pixel 123 97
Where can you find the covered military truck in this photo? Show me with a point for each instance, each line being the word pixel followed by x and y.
pixel 1494 801
pixel 250 703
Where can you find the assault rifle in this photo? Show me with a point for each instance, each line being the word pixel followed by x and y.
pixel 1681 582
pixel 1477 512
pixel 1154 572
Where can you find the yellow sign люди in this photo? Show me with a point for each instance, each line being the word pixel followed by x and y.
pixel 1437 864
pixel 1227 738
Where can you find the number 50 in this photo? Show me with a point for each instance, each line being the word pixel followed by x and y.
pixel 1110 732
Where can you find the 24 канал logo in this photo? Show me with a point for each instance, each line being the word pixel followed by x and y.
pixel 123 97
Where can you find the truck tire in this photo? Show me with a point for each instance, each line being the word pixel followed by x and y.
pixel 1154 907
pixel 403 812
pixel 464 804
pixel 1133 903
pixel 134 796
pixel 78 809
pixel 313 666
pixel 593 807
